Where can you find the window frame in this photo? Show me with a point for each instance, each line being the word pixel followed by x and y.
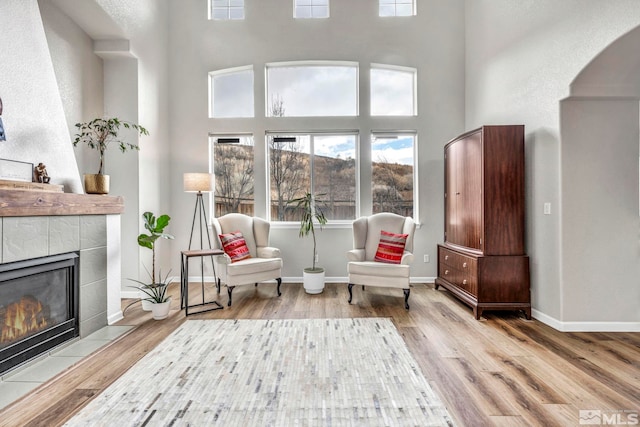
pixel 313 63
pixel 310 6
pixel 228 9
pixel 312 134
pixel 226 72
pixel 212 141
pixel 414 9
pixel 416 170
pixel 402 69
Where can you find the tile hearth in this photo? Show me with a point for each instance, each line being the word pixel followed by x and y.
pixel 23 380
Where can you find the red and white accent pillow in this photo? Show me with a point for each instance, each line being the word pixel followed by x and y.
pixel 235 246
pixel 391 247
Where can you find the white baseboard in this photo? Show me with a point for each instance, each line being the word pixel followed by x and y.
pixel 115 317
pixel 585 326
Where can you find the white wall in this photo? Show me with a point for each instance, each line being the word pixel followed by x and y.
pixel 33 116
pixel 601 261
pixel 521 59
pixel 432 42
pixel 134 81
pixel 78 73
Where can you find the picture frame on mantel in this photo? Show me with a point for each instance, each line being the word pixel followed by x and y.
pixel 15 170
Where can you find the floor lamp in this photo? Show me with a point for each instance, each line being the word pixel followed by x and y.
pixel 200 183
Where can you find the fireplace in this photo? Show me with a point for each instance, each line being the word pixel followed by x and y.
pixel 38 306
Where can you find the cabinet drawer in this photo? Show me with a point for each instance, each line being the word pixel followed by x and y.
pixel 463 263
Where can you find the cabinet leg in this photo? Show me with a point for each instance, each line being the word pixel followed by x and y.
pixel 477 312
pixel 527 313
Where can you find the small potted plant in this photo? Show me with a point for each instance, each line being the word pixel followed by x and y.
pixel 154 293
pixel 313 277
pixel 98 134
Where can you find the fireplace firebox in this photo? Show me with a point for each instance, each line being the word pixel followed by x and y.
pixel 38 306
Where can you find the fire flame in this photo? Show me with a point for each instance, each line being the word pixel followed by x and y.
pixel 22 318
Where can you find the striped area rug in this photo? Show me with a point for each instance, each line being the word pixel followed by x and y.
pixel 311 372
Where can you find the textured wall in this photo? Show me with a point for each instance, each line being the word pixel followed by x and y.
pixel 521 60
pixel 33 117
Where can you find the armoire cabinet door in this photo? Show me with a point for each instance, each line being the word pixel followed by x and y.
pixel 463 192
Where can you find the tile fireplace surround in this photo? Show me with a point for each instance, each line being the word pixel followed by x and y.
pixel 36 224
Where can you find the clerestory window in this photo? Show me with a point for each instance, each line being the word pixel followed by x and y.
pixel 311 8
pixel 393 90
pixel 231 93
pixel 312 89
pixel 397 8
pixel 226 9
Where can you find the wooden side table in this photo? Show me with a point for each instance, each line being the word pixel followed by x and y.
pixel 184 280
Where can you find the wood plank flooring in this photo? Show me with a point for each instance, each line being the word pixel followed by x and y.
pixel 501 371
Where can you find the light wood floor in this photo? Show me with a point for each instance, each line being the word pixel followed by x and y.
pixel 500 371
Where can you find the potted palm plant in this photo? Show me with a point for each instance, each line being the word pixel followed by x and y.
pixel 313 277
pixel 154 294
pixel 98 134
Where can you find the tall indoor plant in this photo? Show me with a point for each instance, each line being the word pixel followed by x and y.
pixel 313 277
pixel 154 293
pixel 98 134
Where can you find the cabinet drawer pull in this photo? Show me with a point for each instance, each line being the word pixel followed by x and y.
pixel 464 265
pixel 446 257
pixel 446 272
pixel 464 282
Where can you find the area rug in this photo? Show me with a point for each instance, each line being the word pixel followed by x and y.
pixel 311 372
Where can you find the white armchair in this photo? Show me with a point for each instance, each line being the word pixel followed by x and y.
pixel 264 262
pixel 363 267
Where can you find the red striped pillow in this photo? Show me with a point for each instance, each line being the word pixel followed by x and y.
pixel 235 246
pixel 391 247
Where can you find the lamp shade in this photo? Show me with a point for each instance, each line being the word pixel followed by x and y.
pixel 198 182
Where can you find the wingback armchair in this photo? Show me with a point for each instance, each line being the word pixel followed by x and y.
pixel 256 263
pixel 378 257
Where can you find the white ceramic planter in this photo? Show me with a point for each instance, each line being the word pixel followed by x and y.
pixel 313 280
pixel 161 311
pixel 146 305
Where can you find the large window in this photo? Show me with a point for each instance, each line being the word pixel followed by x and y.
pixel 393 91
pixel 322 164
pixel 397 7
pixel 226 9
pixel 312 89
pixel 233 166
pixel 311 8
pixel 393 169
pixel 231 93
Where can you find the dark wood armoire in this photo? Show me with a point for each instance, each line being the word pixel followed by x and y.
pixel 482 260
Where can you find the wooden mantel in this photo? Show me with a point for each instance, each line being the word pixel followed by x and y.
pixel 44 203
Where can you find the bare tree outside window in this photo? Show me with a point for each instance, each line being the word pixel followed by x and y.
pixel 393 174
pixel 234 175
pixel 289 172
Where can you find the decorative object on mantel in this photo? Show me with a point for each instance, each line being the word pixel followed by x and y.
pixel 3 137
pixel 41 174
pixel 313 277
pixel 98 134
pixel 30 186
pixel 15 170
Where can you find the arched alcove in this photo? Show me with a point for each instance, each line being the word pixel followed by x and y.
pixel 599 127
